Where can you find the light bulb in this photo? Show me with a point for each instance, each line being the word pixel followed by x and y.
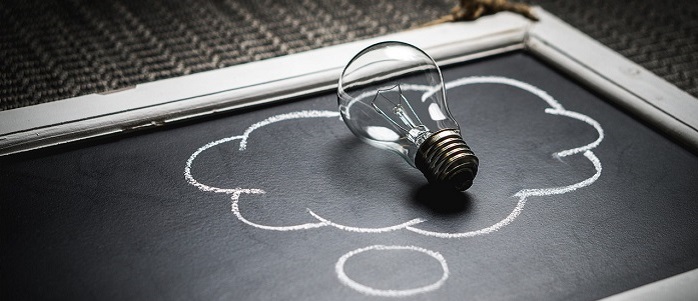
pixel 392 96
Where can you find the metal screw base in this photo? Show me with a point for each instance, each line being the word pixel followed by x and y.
pixel 444 158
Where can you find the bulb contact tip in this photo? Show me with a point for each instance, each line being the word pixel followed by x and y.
pixel 445 159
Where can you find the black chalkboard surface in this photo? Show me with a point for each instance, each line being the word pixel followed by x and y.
pixel 575 200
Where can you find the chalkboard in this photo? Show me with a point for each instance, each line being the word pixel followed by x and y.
pixel 574 200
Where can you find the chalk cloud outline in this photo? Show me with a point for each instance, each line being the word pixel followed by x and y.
pixel 555 109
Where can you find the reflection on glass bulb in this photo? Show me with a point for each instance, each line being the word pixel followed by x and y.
pixel 392 96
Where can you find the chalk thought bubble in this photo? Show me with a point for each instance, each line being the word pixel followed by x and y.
pixel 241 144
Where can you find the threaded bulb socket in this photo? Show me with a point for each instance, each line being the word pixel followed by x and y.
pixel 445 159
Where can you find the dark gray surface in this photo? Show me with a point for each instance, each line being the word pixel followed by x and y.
pixel 116 220
pixel 51 50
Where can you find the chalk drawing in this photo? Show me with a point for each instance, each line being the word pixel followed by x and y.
pixel 190 161
pixel 522 195
pixel 236 192
pixel 339 269
pixel 555 108
pixel 366 230
pixel 236 211
pixel 282 117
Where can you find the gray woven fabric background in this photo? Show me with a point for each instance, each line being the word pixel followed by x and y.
pixel 51 50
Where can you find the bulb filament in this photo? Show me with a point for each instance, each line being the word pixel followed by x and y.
pixel 400 107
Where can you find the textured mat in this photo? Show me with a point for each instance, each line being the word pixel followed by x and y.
pixel 53 50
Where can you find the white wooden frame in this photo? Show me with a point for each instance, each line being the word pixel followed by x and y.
pixel 153 104
pixel 165 101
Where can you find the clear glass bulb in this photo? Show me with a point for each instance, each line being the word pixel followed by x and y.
pixel 392 96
